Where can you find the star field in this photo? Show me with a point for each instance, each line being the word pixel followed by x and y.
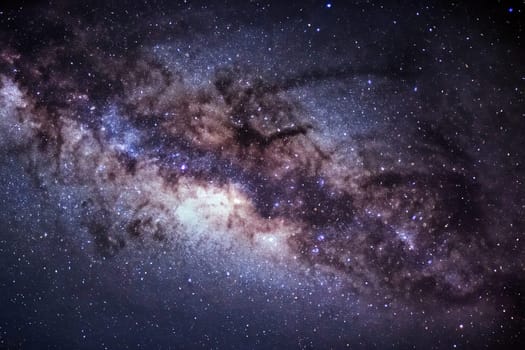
pixel 223 175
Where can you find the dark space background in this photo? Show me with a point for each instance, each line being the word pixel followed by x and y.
pixel 262 175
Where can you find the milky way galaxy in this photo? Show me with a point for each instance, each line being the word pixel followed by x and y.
pixel 262 175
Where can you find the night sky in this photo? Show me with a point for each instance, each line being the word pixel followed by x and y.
pixel 262 175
